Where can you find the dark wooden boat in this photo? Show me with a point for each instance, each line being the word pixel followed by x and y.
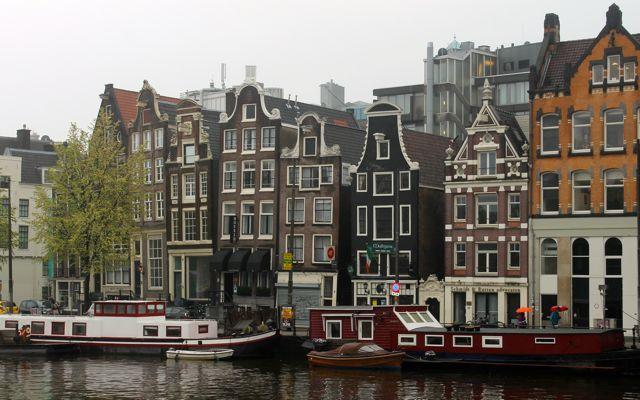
pixel 31 349
pixel 356 355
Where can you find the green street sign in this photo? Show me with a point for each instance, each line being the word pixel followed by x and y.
pixel 378 248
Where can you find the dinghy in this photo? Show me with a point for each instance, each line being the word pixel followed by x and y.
pixel 217 354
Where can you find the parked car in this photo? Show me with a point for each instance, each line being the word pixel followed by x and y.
pixel 27 305
pixel 5 307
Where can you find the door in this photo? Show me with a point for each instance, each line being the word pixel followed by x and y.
pixel 434 307
pixel 228 287
pixel 459 308
pixel 513 303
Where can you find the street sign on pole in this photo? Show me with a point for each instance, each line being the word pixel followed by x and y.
pixel 287 261
pixel 395 289
pixel 331 253
pixel 381 248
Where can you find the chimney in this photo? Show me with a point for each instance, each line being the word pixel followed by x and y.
pixel 614 17
pixel 250 73
pixel 552 27
pixel 428 87
pixel 24 138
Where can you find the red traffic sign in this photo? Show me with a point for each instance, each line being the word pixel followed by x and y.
pixel 395 289
pixel 331 253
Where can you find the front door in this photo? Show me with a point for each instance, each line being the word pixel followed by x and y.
pixel 513 303
pixel 228 287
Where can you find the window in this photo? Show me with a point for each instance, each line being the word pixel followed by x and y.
pixel 462 341
pixel 159 205
pixel 487 209
pixel 155 262
pixel 361 182
pixel 148 206
pixel 320 244
pixel 147 140
pixel 268 138
pixel 362 220
pixel 204 184
pixel 492 342
pixel 175 226
pixel 405 180
pixel 581 131
pixel 549 257
pixel 159 170
pixel 434 340
pixel 173 331
pixel 365 330
pixel 629 71
pixel 248 212
pixel 405 219
pixel 613 256
pixel 79 329
pixel 136 209
pixel 230 175
pixel 614 191
pixel 298 247
pixel 266 218
pixel 406 340
pixel 148 175
pixel 37 328
pixel 189 152
pixel 613 129
pixel 267 173
pixel 613 68
pixel 293 175
pixel 383 183
pixel 461 255
pixel 297 210
pixel 383 222
pixel 550 127
pixel 581 192
pixel 248 139
pixel 460 208
pixel 190 185
pixel 248 112
pixel 382 150
pixel 550 193
pixel 57 328
pixel 326 174
pixel 333 330
pixel 310 146
pixel 150 330
pixel 514 205
pixel 159 138
pixel 230 140
pixel 174 186
pixel 310 178
pixel 580 257
pixel 203 328
pixel 24 208
pixel 487 258
pixel 190 232
pixel 514 255
pixel 487 163
pixel 228 212
pixel 135 141
pixel 322 210
pixel 545 340
pixel 597 74
pixel 248 174
pixel 368 267
pixel 23 237
pixel 204 225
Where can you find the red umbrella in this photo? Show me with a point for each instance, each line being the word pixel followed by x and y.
pixel 524 310
pixel 559 308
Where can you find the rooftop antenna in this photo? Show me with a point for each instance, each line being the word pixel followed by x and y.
pixel 296 103
pixel 289 101
pixel 223 74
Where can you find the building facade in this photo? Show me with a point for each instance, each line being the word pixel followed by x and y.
pixel 486 192
pixel 584 114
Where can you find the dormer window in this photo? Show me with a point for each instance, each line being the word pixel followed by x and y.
pixel 487 163
pixel 629 72
pixel 597 74
pixel 249 112
pixel 189 154
pixel 310 146
pixel 46 176
pixel 383 150
pixel 613 68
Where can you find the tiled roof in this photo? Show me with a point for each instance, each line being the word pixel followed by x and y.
pixel 288 112
pixel 211 125
pixel 514 133
pixel 428 150
pixel 126 101
pixel 32 163
pixel 351 141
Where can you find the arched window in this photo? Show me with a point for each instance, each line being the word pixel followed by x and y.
pixel 614 191
pixel 549 133
pixel 549 257
pixel 613 129
pixel 580 257
pixel 613 256
pixel 581 192
pixel 581 131
pixel 550 192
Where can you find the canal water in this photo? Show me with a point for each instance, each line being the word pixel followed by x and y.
pixel 109 377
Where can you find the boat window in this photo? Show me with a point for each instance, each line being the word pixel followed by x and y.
pixel 203 328
pixel 416 317
pixel 122 309
pixel 406 318
pixel 57 328
pixel 150 330
pixel 160 307
pixel 463 341
pixel 109 308
pixel 370 348
pixel 98 308
pixel 131 309
pixel 426 317
pixel 492 341
pixel 406 340
pixel 79 329
pixel 37 328
pixel 174 331
pixel 142 309
pixel 434 340
pixel 11 324
pixel 545 340
pixel 334 330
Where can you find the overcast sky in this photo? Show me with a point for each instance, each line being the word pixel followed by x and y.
pixel 56 56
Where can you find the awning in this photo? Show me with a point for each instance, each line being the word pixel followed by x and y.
pixel 259 261
pixel 220 259
pixel 238 260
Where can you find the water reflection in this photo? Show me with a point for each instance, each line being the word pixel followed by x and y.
pixel 154 378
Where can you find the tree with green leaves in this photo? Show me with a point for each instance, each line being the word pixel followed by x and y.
pixel 94 187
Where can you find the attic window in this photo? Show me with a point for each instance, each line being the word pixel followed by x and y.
pixel 46 177
pixel 629 71
pixel 613 68
pixel 597 74
pixel 249 112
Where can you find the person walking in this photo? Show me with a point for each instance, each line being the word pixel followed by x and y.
pixel 555 318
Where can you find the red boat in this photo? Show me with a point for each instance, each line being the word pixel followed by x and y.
pixel 356 355
pixel 415 331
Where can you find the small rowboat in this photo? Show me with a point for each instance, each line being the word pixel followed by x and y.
pixel 218 354
pixel 356 355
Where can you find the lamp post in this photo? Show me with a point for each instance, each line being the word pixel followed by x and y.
pixel 6 184
pixel 296 179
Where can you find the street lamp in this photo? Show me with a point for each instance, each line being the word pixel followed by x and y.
pixel 379 137
pixel 296 174
pixel 5 183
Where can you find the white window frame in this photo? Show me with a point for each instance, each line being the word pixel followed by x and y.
pixel 273 174
pixel 610 69
pixel 224 225
pixel 287 239
pixel 291 168
pixel 246 150
pixel 244 112
pixel 606 126
pixel 315 199
pixel 543 128
pixel 159 138
pixel 488 173
pixel 151 262
pixel 545 340
pixel 175 185
pixel 176 232
pixel 509 251
pixel 593 74
pixel 272 214
pixel 184 153
pixel 248 189
pixel 497 203
pixel 360 175
pixel 147 139
pixel 408 175
pixel 204 184
pixel 375 185
pixel 574 188
pixel 454 337
pixel 485 345
pixel 160 205
pixel 224 180
pixel 224 142
pixel 370 321
pixel 401 227
pixel 575 125
pixel 375 237
pixel 486 254
pixel 148 172
pixel 288 216
pixel 148 206
pixel 185 180
pixel 184 224
pixel 360 253
pixel 509 203
pixel 135 141
pixel 159 169
pixel 379 146
pixel 413 338
pixel 313 246
pixel 327 331
pixel 331 169
pixel 366 222
pixel 633 70
pixel 308 167
pixel 542 190
pixel 253 220
pixel 204 224
pixel 455 255
pixel 426 342
pixel 456 217
pixel 262 146
pixel 315 146
pixel 606 192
